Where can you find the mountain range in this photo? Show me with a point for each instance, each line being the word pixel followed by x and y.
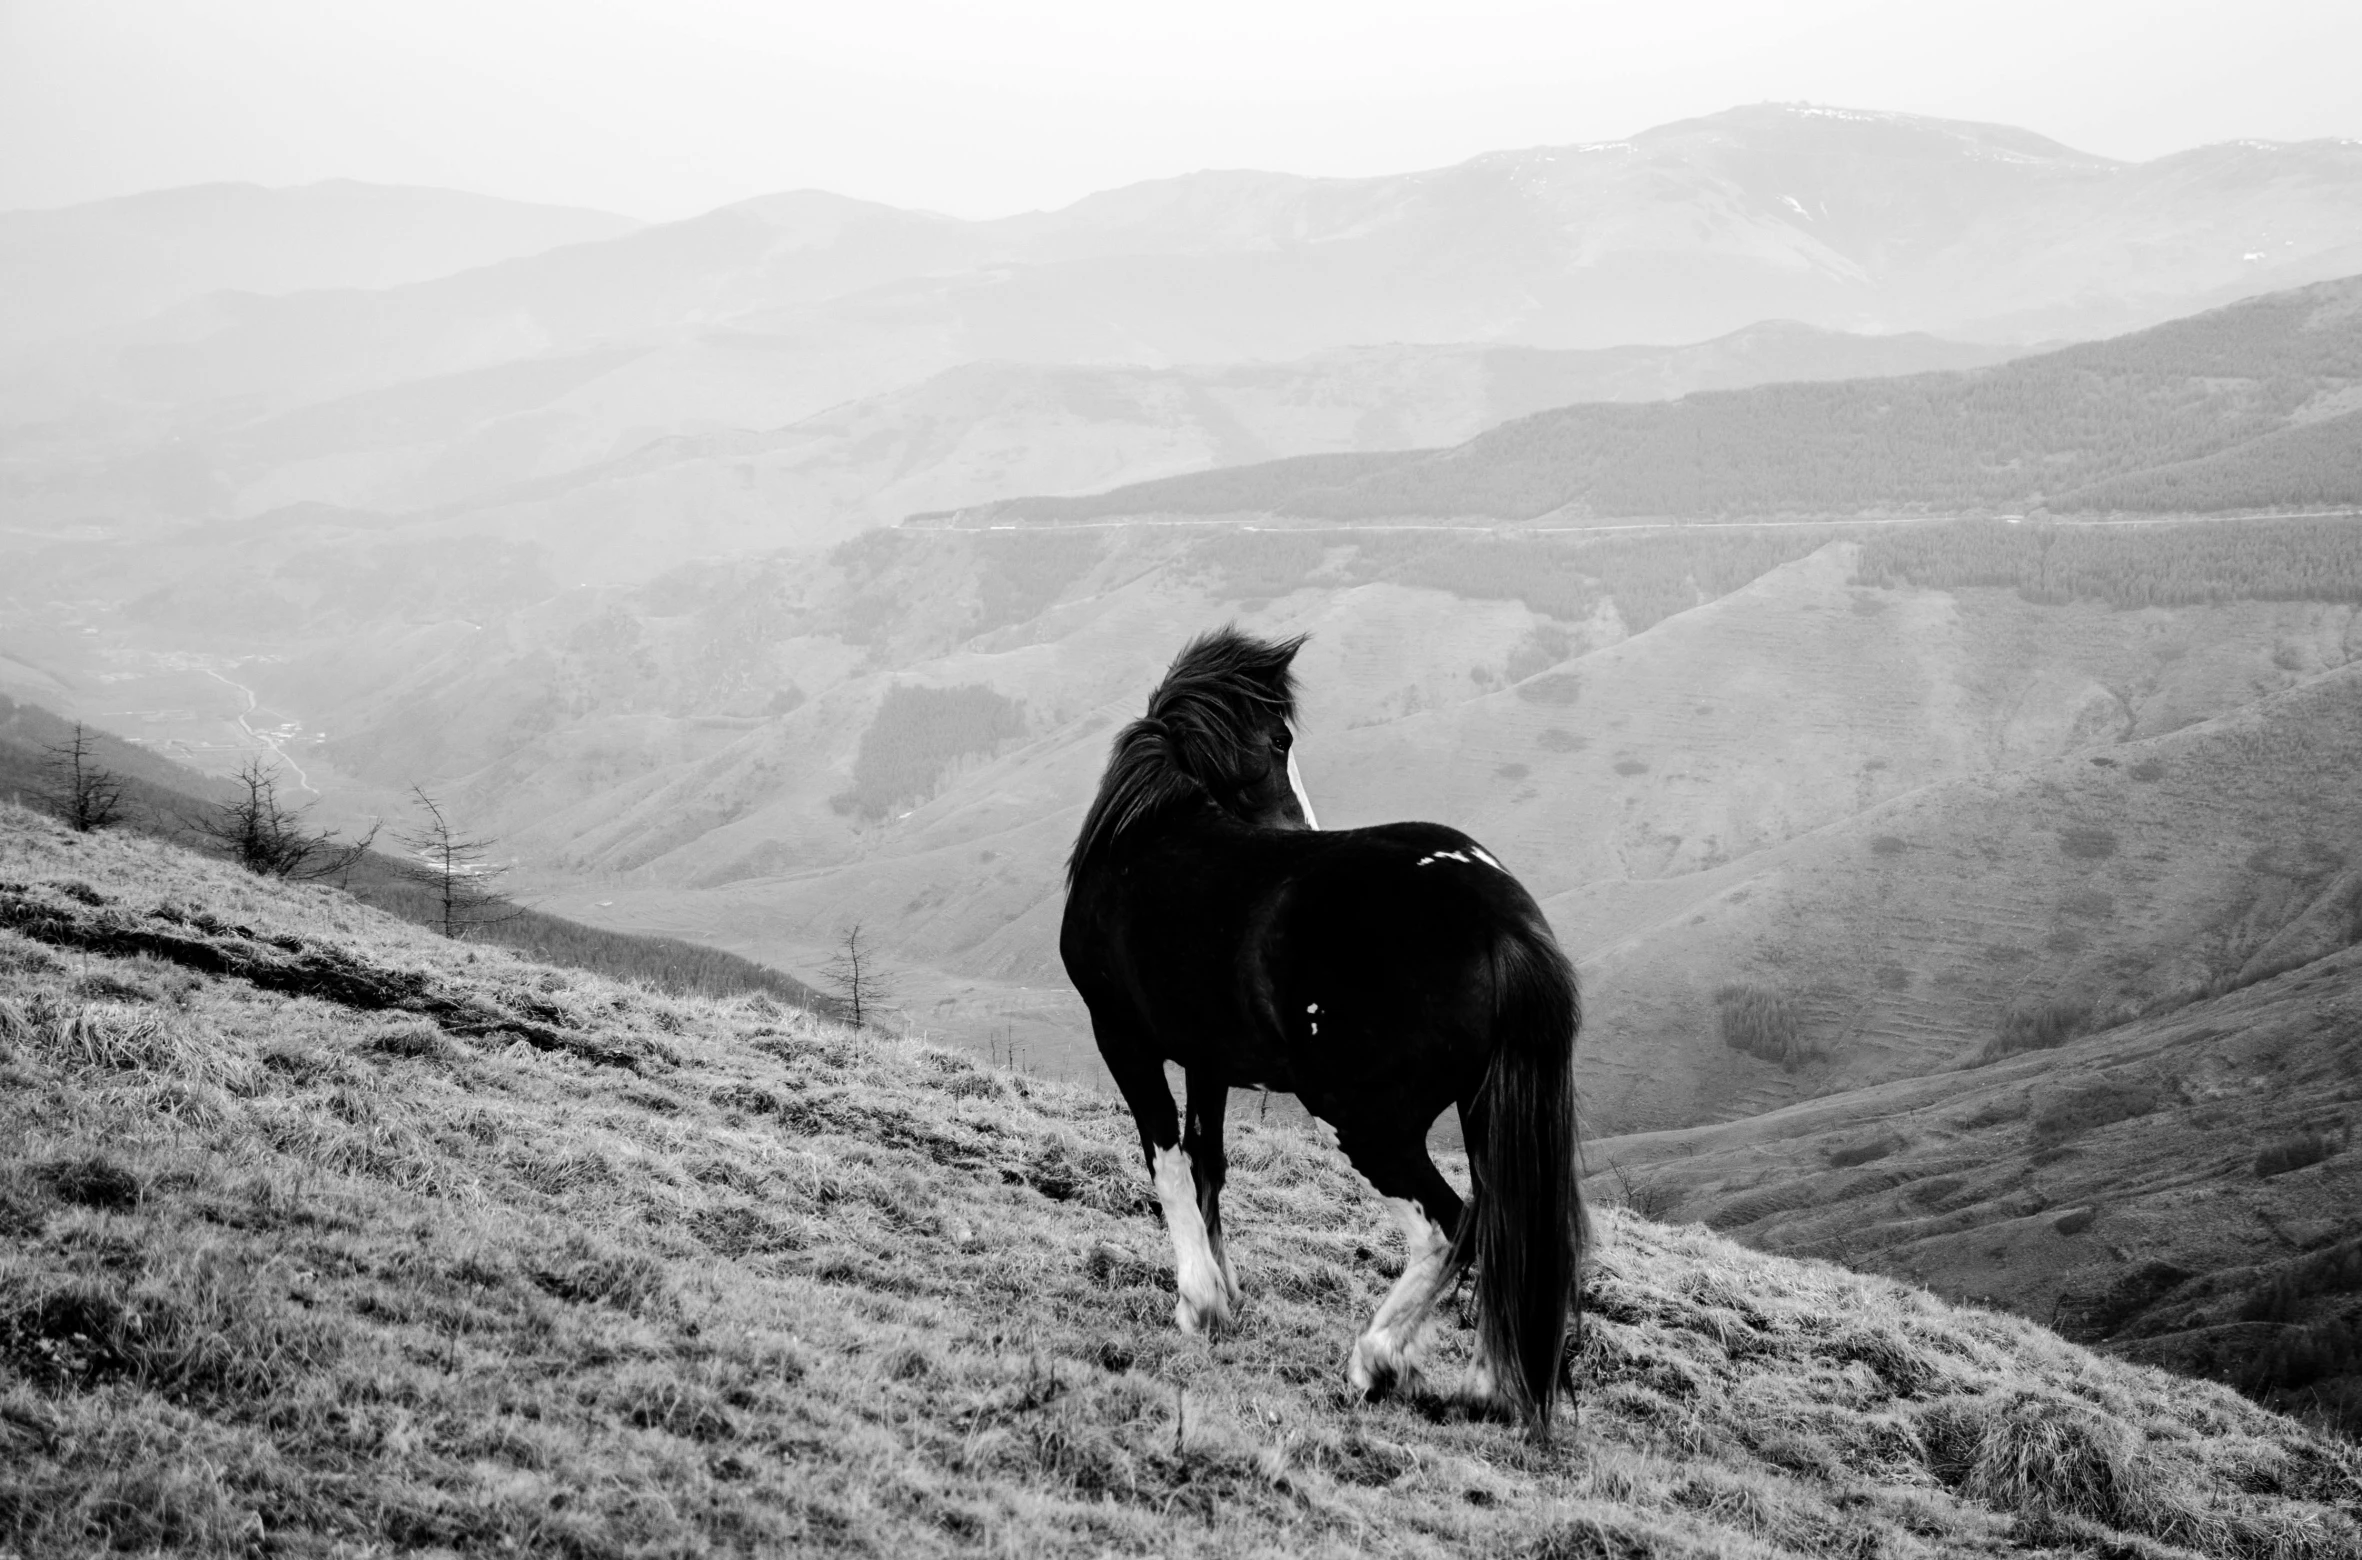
pixel 761 314
pixel 111 263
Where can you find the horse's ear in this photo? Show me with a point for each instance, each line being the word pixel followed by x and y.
pixel 1276 669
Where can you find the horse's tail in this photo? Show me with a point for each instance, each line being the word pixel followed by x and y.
pixel 1525 1226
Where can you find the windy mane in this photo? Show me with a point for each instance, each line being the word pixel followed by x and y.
pixel 1198 731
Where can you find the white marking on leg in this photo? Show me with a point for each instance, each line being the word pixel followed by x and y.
pixel 1204 1298
pixel 1296 784
pixel 1383 1353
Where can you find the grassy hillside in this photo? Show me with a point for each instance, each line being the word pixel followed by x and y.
pixel 329 1236
pixel 2111 424
pixel 161 798
pixel 2184 1189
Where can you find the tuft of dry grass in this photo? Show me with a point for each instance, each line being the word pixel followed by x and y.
pixel 284 1273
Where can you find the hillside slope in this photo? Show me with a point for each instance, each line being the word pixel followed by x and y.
pixel 327 1234
pixel 2182 1188
pixel 2097 885
pixel 2075 429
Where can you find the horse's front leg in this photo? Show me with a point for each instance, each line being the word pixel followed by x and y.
pixel 1203 1292
pixel 1209 1097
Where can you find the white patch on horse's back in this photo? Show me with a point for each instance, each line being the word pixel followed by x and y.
pixel 1296 784
pixel 1452 855
pixel 1485 856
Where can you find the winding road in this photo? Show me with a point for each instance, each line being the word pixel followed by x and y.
pixel 269 739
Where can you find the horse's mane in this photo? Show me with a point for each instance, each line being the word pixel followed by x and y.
pixel 1200 724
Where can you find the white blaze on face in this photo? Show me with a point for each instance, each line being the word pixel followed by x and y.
pixel 1296 784
pixel 1196 1275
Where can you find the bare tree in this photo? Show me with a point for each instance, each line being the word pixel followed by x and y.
pixel 271 840
pixel 457 869
pixel 86 795
pixel 860 980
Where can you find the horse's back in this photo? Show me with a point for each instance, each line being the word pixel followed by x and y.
pixel 1383 959
pixel 1422 882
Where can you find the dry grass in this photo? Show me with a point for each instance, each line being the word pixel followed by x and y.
pixel 281 1274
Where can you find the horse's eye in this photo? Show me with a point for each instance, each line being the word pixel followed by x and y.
pixel 1282 740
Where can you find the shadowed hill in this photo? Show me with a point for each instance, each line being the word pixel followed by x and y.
pixel 509 1257
pixel 2183 1189
pixel 2108 424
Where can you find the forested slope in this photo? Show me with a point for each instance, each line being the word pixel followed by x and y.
pixel 2246 406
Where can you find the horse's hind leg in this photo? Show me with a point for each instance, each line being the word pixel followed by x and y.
pixel 1428 1210
pixel 1203 1297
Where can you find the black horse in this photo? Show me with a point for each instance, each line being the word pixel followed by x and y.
pixel 1378 974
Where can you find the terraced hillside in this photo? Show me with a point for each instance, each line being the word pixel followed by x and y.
pixel 2181 1189
pixel 325 1236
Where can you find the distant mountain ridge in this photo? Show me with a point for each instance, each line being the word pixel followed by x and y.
pixel 1839 218
pixel 2158 419
pixel 108 263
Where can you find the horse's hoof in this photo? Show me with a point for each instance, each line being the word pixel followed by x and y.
pixel 1204 1316
pixel 1374 1367
pixel 1480 1392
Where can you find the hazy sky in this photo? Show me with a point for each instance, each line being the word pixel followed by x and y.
pixel 662 108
